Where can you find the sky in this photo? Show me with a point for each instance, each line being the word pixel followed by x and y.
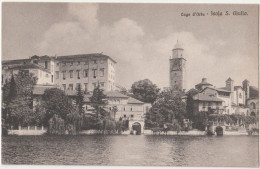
pixel 139 37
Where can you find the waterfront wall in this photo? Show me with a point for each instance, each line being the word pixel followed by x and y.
pixel 187 133
pixel 26 132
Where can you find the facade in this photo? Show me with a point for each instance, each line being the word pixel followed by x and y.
pixel 68 72
pixel 207 103
pixel 42 68
pixel 87 70
pixel 128 108
pixel 235 99
pixel 177 69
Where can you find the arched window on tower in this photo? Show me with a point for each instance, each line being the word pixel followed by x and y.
pixel 252 105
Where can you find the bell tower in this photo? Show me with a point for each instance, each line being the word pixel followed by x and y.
pixel 177 69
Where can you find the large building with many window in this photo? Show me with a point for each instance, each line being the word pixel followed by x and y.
pixel 87 70
pixel 68 72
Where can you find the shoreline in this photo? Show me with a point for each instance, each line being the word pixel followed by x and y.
pixel 145 132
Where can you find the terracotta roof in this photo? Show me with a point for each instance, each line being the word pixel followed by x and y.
pixel 28 66
pixel 134 101
pixel 222 89
pixel 115 94
pixel 217 89
pixel 229 79
pixel 204 97
pixel 18 61
pixel 84 56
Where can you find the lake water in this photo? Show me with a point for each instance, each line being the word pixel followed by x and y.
pixel 133 150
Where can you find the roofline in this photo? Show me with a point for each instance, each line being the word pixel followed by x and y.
pixel 36 67
pixel 177 49
pixel 215 89
pixel 59 57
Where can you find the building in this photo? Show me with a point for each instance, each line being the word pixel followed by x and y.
pixel 177 69
pixel 128 108
pixel 228 100
pixel 252 98
pixel 87 70
pixel 40 67
pixel 207 103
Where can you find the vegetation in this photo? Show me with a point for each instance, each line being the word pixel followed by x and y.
pixel 145 91
pixel 168 109
pixel 80 99
pixel 17 105
pixel 60 114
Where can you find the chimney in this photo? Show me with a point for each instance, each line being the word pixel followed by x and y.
pixel 204 79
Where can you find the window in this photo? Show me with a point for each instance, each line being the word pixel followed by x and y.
pixel 94 73
pixel 95 61
pixel 57 64
pixel 70 87
pixel 86 62
pixel 78 72
pixel 77 86
pixel 71 73
pixel 86 87
pixel 71 63
pixel 64 75
pixel 78 62
pixel 86 73
pixel 64 63
pixel 46 65
pixel 57 74
pixel 101 61
pixel 102 72
pixel 124 115
pixel 131 108
pixel 124 108
pixel 102 84
pixel 64 87
pixel 52 78
pixel 47 75
pixel 132 116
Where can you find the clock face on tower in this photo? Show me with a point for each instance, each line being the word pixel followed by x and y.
pixel 176 66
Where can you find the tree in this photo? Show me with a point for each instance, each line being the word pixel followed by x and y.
pixel 98 101
pixel 19 100
pixel 114 111
pixel 80 99
pixel 145 90
pixel 189 106
pixel 56 102
pixel 167 108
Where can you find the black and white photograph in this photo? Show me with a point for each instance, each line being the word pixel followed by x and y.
pixel 130 84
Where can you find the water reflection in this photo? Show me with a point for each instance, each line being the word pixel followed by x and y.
pixel 131 150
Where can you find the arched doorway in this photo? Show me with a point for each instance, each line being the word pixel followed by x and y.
pixel 137 127
pixel 219 131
